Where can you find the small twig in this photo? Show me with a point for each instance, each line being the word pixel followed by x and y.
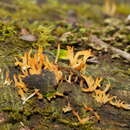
pixel 104 45
pixel 30 96
pixel 58 53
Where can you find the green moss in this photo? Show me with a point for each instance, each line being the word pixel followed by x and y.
pixel 45 36
pixel 123 9
pixel 9 99
pixel 6 126
pixel 6 31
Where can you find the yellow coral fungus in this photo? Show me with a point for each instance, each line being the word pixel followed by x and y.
pixel 69 78
pixel 81 121
pixel 102 97
pixel 110 7
pixel 7 79
pixel 33 63
pixel 29 65
pixel 53 68
pixel 120 104
pixel 76 61
pixel 92 110
pixel 21 87
pixel 92 85
pixel 67 108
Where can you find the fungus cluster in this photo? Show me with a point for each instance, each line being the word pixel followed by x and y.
pixel 31 64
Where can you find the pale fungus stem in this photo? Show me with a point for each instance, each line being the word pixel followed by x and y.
pixel 58 53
